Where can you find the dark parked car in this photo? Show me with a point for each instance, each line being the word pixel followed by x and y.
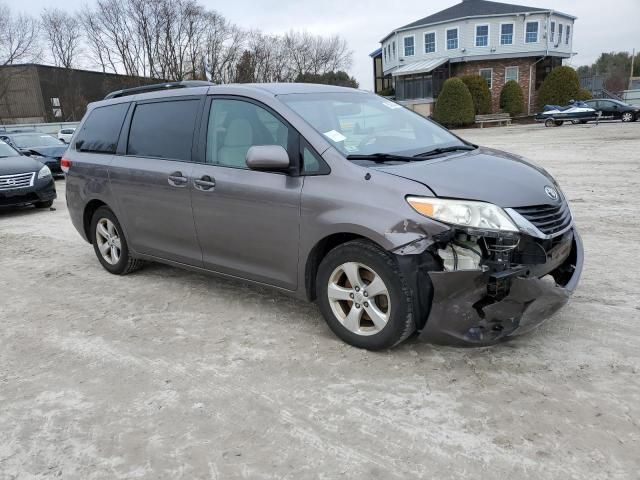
pixel 615 109
pixel 43 147
pixel 390 222
pixel 24 180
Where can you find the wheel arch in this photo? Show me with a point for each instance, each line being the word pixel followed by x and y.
pixel 89 209
pixel 320 250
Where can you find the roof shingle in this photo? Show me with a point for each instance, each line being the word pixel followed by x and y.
pixel 474 8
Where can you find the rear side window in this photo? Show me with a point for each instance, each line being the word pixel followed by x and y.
pixel 163 129
pixel 101 130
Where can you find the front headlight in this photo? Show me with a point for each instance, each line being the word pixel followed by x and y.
pixel 465 213
pixel 44 172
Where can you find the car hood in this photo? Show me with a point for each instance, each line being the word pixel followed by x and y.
pixel 484 174
pixel 52 152
pixel 13 165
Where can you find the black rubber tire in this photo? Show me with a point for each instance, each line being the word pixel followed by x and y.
pixel 401 322
pixel 45 204
pixel 631 118
pixel 549 123
pixel 559 123
pixel 127 264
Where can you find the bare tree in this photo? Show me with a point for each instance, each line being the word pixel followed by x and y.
pixel 63 36
pixel 18 37
pixel 180 39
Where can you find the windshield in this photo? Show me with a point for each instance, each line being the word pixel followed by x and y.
pixel 362 124
pixel 7 150
pixel 36 140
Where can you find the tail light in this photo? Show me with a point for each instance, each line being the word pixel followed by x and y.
pixel 65 163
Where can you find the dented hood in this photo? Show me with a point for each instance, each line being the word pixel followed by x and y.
pixel 484 174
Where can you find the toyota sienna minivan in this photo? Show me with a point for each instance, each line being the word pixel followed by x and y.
pixel 391 223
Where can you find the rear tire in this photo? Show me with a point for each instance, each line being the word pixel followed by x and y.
pixel 549 123
pixel 364 297
pixel 110 244
pixel 558 123
pixel 46 204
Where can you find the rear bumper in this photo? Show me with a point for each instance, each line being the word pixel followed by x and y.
pixel 463 313
pixel 40 192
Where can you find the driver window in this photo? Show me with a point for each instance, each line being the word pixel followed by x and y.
pixel 235 126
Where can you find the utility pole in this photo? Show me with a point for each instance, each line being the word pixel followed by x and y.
pixel 633 59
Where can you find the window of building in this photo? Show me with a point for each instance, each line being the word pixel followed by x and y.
pixel 482 35
pixel 506 34
pixel 487 74
pixel 101 131
pixel 452 39
pixel 430 42
pixel 235 126
pixel 394 49
pixel 163 129
pixel 568 34
pixel 560 31
pixel 531 35
pixel 511 73
pixel 553 32
pixel 409 46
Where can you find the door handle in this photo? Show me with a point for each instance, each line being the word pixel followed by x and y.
pixel 176 179
pixel 205 183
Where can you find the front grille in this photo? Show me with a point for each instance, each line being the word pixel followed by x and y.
pixel 13 182
pixel 549 219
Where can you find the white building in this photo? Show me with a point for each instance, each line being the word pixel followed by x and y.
pixel 498 41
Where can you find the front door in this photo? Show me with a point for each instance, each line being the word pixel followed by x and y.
pixel 152 181
pixel 247 221
pixel 610 109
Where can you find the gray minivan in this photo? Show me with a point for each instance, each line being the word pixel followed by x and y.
pixel 390 222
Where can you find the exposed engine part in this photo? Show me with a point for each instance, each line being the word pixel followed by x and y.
pixel 461 255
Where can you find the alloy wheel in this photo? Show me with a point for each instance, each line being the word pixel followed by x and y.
pixel 627 117
pixel 359 298
pixel 108 241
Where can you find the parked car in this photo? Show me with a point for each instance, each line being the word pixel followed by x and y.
pixel 66 134
pixel 615 109
pixel 40 146
pixel 24 180
pixel 391 223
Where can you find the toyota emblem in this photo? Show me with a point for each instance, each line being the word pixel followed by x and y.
pixel 552 193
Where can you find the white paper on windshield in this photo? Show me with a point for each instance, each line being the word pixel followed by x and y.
pixel 391 105
pixel 335 136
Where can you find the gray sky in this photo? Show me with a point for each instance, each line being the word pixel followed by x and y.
pixel 602 26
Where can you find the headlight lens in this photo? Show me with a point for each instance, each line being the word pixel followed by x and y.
pixel 464 213
pixel 44 172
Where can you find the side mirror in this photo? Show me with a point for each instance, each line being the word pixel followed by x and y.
pixel 268 158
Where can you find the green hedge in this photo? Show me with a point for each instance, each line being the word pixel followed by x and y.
pixel 480 93
pixel 561 86
pixel 512 98
pixel 454 107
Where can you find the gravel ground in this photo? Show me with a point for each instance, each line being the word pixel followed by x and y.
pixel 167 374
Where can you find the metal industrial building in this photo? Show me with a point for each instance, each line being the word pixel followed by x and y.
pixel 33 93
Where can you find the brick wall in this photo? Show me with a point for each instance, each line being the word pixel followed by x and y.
pixel 498 77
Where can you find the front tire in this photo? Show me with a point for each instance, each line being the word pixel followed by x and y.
pixel 110 244
pixel 364 297
pixel 628 117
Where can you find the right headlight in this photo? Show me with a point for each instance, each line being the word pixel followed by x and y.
pixel 464 213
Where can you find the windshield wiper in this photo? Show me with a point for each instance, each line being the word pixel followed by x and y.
pixel 382 157
pixel 438 151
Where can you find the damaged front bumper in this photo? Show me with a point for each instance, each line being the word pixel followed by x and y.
pixel 466 310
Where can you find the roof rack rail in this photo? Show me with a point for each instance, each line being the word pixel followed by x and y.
pixel 156 87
